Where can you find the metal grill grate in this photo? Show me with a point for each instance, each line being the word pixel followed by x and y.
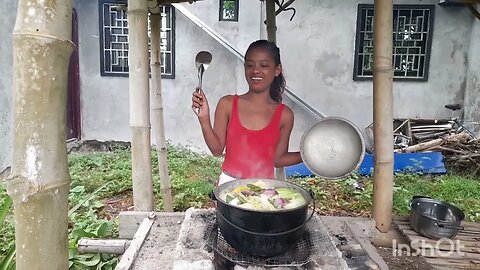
pixel 314 246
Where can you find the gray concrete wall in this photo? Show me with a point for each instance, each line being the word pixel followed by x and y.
pixel 319 55
pixel 7 21
pixel 472 95
pixel 317 52
pixel 105 100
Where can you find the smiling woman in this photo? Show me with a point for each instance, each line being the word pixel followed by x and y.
pixel 254 128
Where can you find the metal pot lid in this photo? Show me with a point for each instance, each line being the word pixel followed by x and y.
pixel 332 148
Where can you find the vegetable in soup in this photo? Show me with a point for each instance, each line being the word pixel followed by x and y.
pixel 258 197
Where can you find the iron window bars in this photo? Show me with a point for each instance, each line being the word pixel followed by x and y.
pixel 228 10
pixel 114 40
pixel 412 40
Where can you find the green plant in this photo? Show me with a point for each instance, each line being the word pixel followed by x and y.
pixel 87 224
pixel 8 261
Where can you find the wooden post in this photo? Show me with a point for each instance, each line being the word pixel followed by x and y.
pixel 383 114
pixel 157 113
pixel 140 105
pixel 272 36
pixel 271 21
pixel 111 246
pixel 39 181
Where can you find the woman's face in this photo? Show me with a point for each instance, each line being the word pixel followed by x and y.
pixel 260 69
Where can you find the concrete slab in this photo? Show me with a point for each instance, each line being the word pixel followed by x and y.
pixel 173 243
pixel 157 249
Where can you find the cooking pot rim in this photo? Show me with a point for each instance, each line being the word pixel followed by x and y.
pixel 308 195
pixel 308 163
pixel 458 213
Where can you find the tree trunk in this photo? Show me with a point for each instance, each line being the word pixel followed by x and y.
pixel 39 181
pixel 140 105
pixel 383 114
pixel 157 112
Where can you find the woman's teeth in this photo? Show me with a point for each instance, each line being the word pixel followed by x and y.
pixel 256 78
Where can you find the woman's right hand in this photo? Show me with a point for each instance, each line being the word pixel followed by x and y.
pixel 200 104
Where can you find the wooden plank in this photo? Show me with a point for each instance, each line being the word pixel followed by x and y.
pixel 444 247
pixel 420 239
pixel 460 235
pixel 455 263
pixel 451 255
pixel 137 242
pixel 466 239
pixel 439 267
pixel 112 246
pixel 405 220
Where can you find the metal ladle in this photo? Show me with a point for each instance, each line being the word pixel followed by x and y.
pixel 202 61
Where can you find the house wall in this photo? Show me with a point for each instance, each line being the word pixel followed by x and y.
pixel 7 22
pixel 472 95
pixel 105 100
pixel 317 49
pixel 319 62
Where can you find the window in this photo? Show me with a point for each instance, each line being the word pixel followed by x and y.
pixel 114 40
pixel 412 39
pixel 229 10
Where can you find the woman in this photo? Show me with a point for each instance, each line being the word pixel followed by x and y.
pixel 253 128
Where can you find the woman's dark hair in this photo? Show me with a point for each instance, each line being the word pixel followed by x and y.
pixel 278 85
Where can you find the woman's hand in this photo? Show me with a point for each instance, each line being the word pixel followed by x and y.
pixel 200 104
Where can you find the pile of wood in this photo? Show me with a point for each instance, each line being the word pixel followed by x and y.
pixel 461 151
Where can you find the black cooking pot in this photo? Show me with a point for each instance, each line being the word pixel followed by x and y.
pixel 434 219
pixel 257 232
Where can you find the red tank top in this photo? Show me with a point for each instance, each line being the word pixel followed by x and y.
pixel 251 153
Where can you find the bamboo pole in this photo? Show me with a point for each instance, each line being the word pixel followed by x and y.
pixel 271 21
pixel 383 114
pixel 140 105
pixel 157 113
pixel 110 246
pixel 39 181
pixel 272 36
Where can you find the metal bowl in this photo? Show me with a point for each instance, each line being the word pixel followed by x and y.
pixel 332 148
pixel 434 219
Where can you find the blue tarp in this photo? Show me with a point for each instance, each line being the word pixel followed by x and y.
pixel 425 163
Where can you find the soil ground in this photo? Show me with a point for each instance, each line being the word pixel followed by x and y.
pixel 402 261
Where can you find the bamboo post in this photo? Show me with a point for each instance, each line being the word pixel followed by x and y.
pixel 272 36
pixel 140 105
pixel 157 113
pixel 383 114
pixel 271 21
pixel 110 246
pixel 39 181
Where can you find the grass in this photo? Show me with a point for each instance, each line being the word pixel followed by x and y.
pixel 193 177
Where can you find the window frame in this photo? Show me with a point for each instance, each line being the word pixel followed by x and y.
pixel 101 25
pixel 220 10
pixel 428 45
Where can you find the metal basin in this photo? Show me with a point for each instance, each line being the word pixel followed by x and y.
pixel 332 148
pixel 435 219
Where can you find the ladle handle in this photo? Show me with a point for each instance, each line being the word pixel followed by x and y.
pixel 201 69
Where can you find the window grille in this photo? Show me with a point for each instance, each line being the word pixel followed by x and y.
pixel 412 39
pixel 114 40
pixel 229 10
